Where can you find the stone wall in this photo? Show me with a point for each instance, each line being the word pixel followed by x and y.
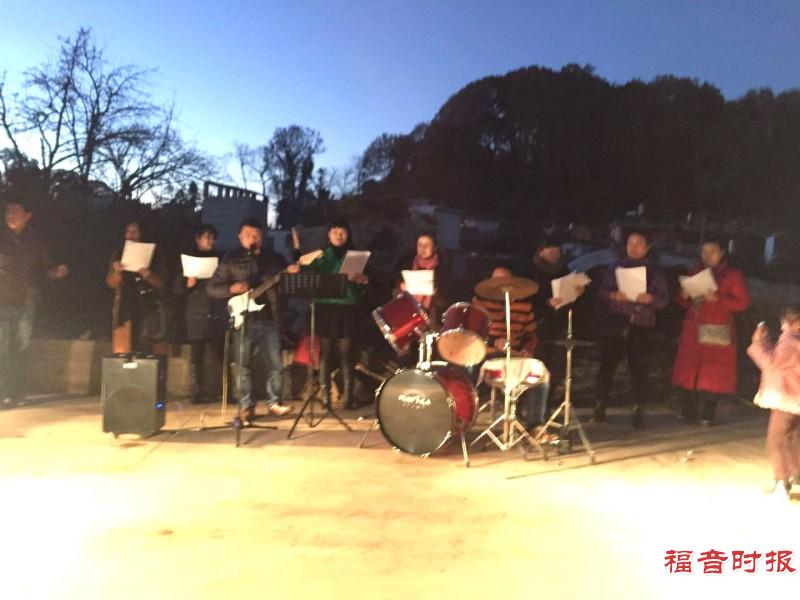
pixel 74 367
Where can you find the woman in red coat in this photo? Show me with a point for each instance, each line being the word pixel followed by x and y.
pixel 705 367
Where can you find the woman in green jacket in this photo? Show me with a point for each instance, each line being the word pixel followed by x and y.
pixel 336 317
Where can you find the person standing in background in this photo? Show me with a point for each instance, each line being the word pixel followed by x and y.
pixel 24 265
pixel 705 365
pixel 626 326
pixel 205 320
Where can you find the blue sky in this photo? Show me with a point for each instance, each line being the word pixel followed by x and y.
pixel 353 70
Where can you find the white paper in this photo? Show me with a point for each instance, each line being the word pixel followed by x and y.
pixel 699 284
pixel 137 256
pixel 632 282
pixel 201 267
pixel 565 287
pixel 419 283
pixel 354 262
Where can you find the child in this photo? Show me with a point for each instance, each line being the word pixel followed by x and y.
pixel 780 392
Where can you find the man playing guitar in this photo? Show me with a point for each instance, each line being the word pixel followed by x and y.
pixel 244 270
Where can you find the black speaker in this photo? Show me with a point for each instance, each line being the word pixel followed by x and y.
pixel 133 395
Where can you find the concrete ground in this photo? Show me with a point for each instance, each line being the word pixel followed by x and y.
pixel 185 514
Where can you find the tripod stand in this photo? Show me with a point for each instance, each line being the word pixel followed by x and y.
pixel 314 285
pixel 570 419
pixel 239 316
pixel 238 423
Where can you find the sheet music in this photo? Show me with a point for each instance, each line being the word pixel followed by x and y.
pixel 201 267
pixel 354 262
pixel 699 284
pixel 137 256
pixel 419 283
pixel 565 287
pixel 632 281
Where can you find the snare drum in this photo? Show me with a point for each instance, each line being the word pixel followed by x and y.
pixel 420 411
pixel 527 372
pixel 402 322
pixel 465 330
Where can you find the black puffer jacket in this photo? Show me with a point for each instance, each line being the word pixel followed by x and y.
pixel 240 265
pixel 203 317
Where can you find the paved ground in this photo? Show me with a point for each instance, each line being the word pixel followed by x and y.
pixel 186 515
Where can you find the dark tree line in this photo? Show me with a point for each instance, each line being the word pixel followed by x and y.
pixel 567 145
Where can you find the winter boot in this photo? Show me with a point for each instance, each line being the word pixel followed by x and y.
pixel 599 412
pixel 637 416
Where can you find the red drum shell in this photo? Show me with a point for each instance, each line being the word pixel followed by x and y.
pixel 402 322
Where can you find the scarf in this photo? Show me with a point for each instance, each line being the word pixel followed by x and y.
pixel 549 268
pixel 423 264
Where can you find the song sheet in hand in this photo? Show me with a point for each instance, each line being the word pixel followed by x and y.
pixel 201 267
pixel 419 283
pixel 699 284
pixel 137 256
pixel 567 287
pixel 354 262
pixel 632 282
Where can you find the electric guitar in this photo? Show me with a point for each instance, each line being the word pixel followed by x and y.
pixel 241 304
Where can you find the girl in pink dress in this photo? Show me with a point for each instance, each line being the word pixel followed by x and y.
pixel 780 392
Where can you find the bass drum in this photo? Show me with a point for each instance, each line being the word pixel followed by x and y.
pixel 420 411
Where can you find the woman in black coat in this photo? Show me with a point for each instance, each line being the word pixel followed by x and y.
pixel 140 313
pixel 204 318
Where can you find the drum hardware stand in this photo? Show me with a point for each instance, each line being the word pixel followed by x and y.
pixel 570 419
pixel 511 424
pixel 314 285
pixel 363 369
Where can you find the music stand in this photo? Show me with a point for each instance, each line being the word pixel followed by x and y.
pixel 313 285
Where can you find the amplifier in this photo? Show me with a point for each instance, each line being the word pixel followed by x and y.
pixel 133 395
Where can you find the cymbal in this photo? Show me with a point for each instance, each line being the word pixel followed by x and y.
pixel 575 343
pixel 495 288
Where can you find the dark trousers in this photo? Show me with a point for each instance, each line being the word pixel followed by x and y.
pixel 554 358
pixel 635 347
pixel 343 349
pixel 197 370
pixel 264 336
pixel 16 327
pixel 698 404
pixel 781 444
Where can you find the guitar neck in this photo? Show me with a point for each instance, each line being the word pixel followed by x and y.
pixel 255 292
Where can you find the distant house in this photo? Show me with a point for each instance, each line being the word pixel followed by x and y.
pixel 446 221
pixel 226 206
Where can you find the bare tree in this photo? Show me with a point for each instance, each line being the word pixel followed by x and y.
pixel 246 159
pixel 150 156
pixel 10 126
pixel 98 120
pixel 344 180
pixel 75 105
pixel 288 161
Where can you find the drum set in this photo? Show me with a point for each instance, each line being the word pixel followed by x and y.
pixel 420 410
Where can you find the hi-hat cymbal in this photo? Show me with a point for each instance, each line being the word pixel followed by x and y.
pixel 495 288
pixel 574 343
